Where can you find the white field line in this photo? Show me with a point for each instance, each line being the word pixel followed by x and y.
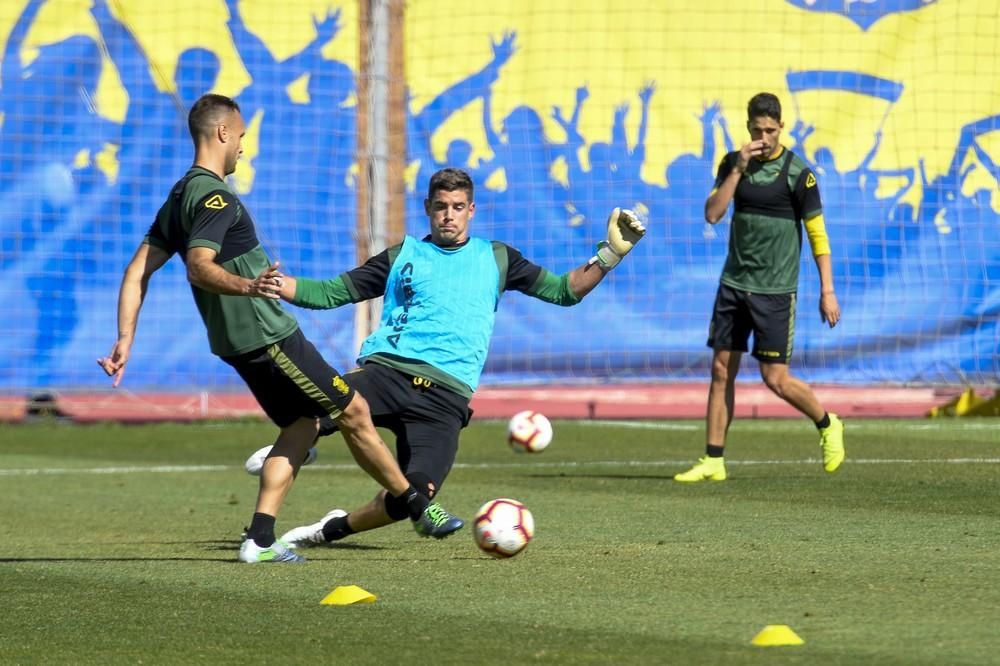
pixel 789 424
pixel 134 469
pixel 187 469
pixel 641 425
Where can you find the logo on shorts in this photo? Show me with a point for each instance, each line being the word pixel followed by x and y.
pixel 341 385
pixel 216 202
pixel 769 354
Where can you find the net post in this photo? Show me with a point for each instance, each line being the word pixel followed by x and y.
pixel 381 140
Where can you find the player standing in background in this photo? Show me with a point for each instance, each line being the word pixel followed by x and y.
pixel 420 368
pixel 204 221
pixel 773 191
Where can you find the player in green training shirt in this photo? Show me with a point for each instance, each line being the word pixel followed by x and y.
pixel 774 193
pixel 206 223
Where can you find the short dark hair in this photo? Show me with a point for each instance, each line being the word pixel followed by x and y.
pixel 764 104
pixel 208 112
pixel 450 179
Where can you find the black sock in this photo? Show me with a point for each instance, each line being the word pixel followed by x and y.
pixel 713 451
pixel 261 530
pixel 336 529
pixel 415 502
pixel 824 422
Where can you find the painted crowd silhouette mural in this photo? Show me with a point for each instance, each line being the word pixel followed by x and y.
pixel 919 276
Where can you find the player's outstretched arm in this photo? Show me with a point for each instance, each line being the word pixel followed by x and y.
pixel 203 272
pixel 581 281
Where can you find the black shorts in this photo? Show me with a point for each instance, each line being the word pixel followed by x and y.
pixel 291 381
pixel 770 317
pixel 425 418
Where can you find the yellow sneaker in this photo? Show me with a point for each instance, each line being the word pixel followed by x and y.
pixel 707 469
pixel 831 439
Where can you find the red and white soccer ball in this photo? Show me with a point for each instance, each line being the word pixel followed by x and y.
pixel 503 527
pixel 529 432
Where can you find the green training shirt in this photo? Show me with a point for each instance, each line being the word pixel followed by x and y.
pixel 201 211
pixel 765 242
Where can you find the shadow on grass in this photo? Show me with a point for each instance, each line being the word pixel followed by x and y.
pixel 27 560
pixel 235 545
pixel 227 546
pixel 669 477
pixel 615 477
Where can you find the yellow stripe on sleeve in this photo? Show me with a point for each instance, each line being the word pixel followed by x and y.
pixel 818 240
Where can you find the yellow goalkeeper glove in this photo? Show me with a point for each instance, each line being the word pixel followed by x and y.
pixel 624 231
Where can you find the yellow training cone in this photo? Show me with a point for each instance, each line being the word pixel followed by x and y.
pixel 776 634
pixel 348 594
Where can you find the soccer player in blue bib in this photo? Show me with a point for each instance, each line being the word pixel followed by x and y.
pixel 419 369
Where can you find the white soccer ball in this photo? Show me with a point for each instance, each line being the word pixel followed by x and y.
pixel 529 432
pixel 503 527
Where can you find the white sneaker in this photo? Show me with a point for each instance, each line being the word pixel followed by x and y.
pixel 251 553
pixel 256 462
pixel 310 535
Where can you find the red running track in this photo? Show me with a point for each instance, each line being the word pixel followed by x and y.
pixel 614 401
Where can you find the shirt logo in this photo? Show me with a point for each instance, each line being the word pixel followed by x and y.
pixel 810 180
pixel 400 321
pixel 341 385
pixel 216 202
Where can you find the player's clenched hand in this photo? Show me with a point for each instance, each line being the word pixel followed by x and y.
pixel 624 231
pixel 749 151
pixel 268 284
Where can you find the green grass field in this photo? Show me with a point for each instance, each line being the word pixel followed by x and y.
pixel 119 546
